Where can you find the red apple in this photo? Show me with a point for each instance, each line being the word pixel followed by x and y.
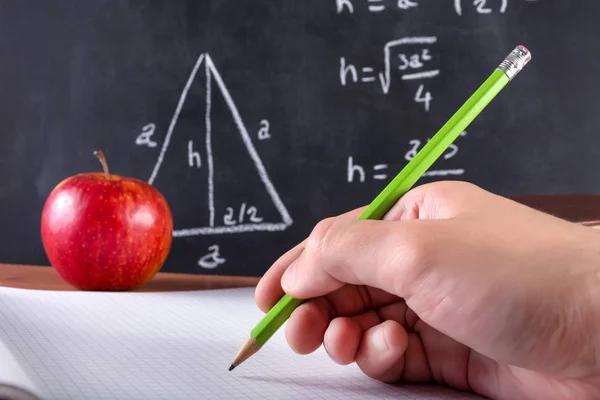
pixel 102 231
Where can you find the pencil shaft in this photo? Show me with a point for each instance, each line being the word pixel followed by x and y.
pixel 276 317
pixel 411 173
pixel 436 146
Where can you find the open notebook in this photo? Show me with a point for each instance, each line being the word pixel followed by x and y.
pixel 175 345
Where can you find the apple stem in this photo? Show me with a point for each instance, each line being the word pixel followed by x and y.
pixel 102 159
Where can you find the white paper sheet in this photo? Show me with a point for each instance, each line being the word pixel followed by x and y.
pixel 14 382
pixel 174 345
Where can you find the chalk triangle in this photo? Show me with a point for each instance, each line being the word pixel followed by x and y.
pixel 219 155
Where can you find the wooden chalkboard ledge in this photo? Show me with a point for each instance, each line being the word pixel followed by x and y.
pixel 46 278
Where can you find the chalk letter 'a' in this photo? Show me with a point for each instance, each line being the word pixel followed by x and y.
pixel 143 138
pixel 263 132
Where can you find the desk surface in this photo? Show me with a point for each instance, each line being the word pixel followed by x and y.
pixel 46 278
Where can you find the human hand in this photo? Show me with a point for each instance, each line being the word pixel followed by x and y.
pixel 456 286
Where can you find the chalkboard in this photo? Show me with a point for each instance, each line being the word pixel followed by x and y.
pixel 256 119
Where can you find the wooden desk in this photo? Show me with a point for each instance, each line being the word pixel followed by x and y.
pixel 580 208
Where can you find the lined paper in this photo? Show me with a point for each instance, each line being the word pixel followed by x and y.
pixel 173 345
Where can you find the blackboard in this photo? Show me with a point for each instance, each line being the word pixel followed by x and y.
pixel 306 117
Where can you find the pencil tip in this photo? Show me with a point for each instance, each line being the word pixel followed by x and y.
pixel 250 347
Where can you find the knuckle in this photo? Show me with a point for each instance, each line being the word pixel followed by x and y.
pixel 412 262
pixel 416 256
pixel 444 199
pixel 318 241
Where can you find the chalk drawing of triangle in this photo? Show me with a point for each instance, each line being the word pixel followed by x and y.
pixel 212 228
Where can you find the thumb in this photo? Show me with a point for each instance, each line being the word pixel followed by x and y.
pixel 390 255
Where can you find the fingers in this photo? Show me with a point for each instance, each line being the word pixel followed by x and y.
pixel 391 256
pixel 385 351
pixel 316 320
pixel 378 349
pixel 381 351
pixel 342 339
pixel 416 363
pixel 352 300
pixel 306 327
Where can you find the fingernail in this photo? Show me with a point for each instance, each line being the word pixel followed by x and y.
pixel 378 339
pixel 289 277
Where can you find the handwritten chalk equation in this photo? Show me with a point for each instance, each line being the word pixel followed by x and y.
pixel 411 57
pixel 481 7
pixel 356 172
pixel 374 6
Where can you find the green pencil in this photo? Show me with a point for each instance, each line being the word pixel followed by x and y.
pixel 501 76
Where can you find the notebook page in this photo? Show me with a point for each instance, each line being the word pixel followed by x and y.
pixel 14 382
pixel 175 345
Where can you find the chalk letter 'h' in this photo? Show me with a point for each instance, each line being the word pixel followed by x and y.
pixel 344 71
pixel 352 168
pixel 193 155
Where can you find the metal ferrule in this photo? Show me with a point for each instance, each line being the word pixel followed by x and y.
pixel 515 61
